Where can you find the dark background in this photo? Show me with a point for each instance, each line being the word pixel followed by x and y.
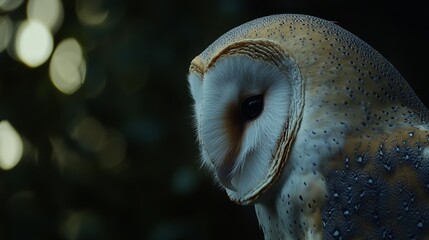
pixel 139 59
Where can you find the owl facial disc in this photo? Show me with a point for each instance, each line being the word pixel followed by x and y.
pixel 250 106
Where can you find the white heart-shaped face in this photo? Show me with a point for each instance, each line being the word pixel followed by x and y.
pixel 241 109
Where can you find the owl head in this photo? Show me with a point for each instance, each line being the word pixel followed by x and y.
pixel 265 83
pixel 246 113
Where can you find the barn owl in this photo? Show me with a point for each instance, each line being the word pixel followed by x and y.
pixel 313 127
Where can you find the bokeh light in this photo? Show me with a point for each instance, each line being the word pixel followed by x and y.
pixel 48 12
pixel 67 160
pixel 113 150
pixel 6 28
pixel 9 5
pixel 89 132
pixel 184 181
pixel 11 146
pixel 82 225
pixel 33 43
pixel 68 68
pixel 91 12
pixel 109 144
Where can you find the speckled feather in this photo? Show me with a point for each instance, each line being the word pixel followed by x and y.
pixel 358 163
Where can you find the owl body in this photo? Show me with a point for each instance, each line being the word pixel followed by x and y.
pixel 315 128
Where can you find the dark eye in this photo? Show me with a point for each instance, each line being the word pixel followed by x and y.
pixel 251 107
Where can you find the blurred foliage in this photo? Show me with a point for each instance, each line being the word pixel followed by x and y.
pixel 117 159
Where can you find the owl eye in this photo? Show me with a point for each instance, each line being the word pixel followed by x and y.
pixel 251 107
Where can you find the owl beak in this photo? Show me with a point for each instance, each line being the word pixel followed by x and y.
pixel 224 174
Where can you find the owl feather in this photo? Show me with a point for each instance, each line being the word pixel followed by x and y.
pixel 315 128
